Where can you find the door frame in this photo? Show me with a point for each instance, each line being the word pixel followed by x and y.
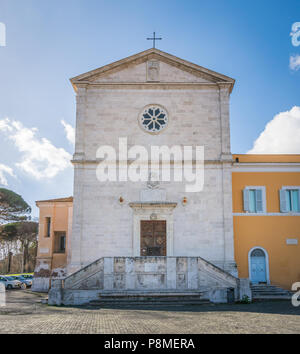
pixel 266 260
pixel 150 211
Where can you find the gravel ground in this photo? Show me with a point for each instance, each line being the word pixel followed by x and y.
pixel 24 313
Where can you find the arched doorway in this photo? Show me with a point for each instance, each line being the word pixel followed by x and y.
pixel 258 265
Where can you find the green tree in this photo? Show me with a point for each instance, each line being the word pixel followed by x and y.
pixel 18 238
pixel 12 207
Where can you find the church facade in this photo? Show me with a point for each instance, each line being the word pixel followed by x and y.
pixel 109 103
pixel 149 99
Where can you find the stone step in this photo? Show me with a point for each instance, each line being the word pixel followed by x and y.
pixel 149 298
pixel 277 291
pixel 151 293
pixel 148 302
pixel 264 287
pixel 164 296
pixel 174 298
pixel 155 292
pixel 270 292
pixel 272 297
pixel 267 288
pixel 274 290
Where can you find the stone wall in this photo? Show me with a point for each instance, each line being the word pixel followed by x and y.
pixel 103 227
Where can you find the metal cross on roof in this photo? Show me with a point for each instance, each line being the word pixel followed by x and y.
pixel 154 39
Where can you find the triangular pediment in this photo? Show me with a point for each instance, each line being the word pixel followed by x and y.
pixel 135 69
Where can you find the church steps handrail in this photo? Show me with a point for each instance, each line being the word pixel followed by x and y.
pixel 82 279
pixel 83 269
pixel 216 267
pixel 230 282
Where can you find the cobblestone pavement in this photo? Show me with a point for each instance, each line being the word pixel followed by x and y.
pixel 24 313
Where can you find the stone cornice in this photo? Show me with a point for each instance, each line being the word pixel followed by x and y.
pixel 51 204
pixel 147 205
pixel 96 161
pixel 266 167
pixel 154 85
pixel 149 54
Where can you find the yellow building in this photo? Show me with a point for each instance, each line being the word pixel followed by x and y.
pixel 55 226
pixel 266 216
pixel 266 219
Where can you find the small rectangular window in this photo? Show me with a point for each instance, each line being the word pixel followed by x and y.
pixel 48 227
pixel 62 246
pixel 59 242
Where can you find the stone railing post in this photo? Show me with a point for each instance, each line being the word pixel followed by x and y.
pixel 108 271
pixel 55 295
pixel 244 289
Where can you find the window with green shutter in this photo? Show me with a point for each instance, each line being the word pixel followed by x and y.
pixel 254 199
pixel 290 200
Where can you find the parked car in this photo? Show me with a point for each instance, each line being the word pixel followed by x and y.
pixel 27 276
pixel 10 283
pixel 27 282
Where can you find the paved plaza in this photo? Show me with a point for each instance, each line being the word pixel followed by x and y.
pixel 24 313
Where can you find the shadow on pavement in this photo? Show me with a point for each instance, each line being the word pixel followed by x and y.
pixel 283 307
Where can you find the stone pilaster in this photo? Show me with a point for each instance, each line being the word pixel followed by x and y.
pixel 224 96
pixel 80 124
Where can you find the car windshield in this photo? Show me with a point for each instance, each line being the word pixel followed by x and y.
pixel 9 278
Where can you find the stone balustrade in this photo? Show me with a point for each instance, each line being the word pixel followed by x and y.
pixel 142 274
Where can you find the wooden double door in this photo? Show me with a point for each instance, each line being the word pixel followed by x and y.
pixel 153 238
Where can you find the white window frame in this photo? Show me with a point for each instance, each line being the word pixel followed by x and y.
pixel 285 188
pixel 264 202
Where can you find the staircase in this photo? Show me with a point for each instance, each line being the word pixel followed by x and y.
pixel 150 298
pixel 151 280
pixel 269 292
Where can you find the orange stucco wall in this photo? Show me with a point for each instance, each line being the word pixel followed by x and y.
pixel 60 214
pixel 270 233
pixel 273 181
pixel 267 231
pixel 283 158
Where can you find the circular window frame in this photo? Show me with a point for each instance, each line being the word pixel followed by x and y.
pixel 142 126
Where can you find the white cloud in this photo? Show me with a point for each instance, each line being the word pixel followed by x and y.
pixel 5 170
pixel 295 62
pixel 5 125
pixel 40 158
pixel 281 135
pixel 70 132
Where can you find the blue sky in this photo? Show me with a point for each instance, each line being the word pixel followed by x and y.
pixel 48 42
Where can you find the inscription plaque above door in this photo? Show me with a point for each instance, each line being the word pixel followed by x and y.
pixel 153 238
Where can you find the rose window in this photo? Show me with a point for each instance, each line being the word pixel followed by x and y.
pixel 154 119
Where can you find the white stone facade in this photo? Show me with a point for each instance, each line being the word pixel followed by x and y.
pixel 109 101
